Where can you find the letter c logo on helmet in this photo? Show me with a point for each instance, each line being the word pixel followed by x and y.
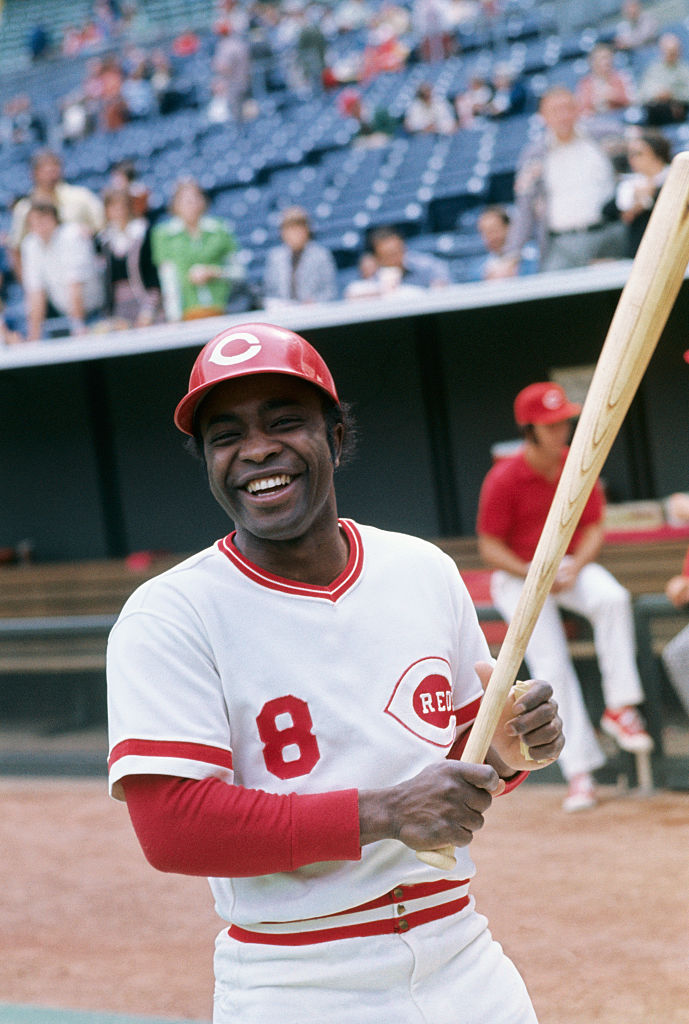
pixel 250 349
pixel 220 355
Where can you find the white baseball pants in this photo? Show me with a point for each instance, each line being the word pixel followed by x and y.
pixel 599 597
pixel 449 971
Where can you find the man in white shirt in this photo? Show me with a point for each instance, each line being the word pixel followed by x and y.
pixel 74 203
pixel 59 266
pixel 563 183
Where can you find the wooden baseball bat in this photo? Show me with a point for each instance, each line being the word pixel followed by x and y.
pixel 648 296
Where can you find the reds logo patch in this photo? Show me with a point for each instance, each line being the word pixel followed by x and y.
pixel 422 701
pixel 235 348
pixel 553 399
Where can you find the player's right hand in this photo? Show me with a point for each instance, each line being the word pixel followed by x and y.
pixel 442 806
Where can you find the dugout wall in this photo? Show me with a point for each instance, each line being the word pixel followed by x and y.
pixel 92 467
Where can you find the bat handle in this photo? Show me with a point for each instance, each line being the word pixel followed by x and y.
pixel 443 858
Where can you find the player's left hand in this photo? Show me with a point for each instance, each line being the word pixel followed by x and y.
pixel 529 734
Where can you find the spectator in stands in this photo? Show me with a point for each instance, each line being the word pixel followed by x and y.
pixel 366 285
pixel 386 49
pixel 8 334
pixel 113 112
pixel 132 288
pixel 493 227
pixel 137 91
pixel 429 112
pixel 218 107
pixel 509 94
pixel 375 127
pixel 564 180
pixel 649 154
pixel 637 28
pixel 461 15
pixel 39 42
pixel 124 178
pixel 232 66
pixel 401 270
pixel 604 89
pixel 60 272
pixel 74 203
pixel 473 102
pixel 20 124
pixel 309 52
pixel 167 96
pixel 75 120
pixel 195 257
pixel 300 269
pixel 430 26
pixel 664 86
pixel 513 505
pixel 352 15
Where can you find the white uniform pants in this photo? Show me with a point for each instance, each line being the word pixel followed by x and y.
pixel 607 605
pixel 449 971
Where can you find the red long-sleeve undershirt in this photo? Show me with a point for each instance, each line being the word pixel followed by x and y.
pixel 206 827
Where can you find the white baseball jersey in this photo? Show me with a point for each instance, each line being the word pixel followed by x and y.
pixel 219 668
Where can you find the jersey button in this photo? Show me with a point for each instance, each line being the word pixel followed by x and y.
pixel 398 893
pixel 403 926
pixel 401 908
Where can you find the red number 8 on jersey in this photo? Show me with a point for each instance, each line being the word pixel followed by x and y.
pixel 288 750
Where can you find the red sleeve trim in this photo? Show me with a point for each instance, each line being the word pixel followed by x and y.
pixel 173 749
pixel 457 750
pixel 467 714
pixel 513 782
pixel 207 827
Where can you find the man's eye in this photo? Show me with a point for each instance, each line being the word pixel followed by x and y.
pixel 226 437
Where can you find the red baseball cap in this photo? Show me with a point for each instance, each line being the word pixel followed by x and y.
pixel 544 402
pixel 248 349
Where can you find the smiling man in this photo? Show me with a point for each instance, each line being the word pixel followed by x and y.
pixel 287 713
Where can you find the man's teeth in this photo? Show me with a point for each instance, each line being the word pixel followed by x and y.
pixel 267 483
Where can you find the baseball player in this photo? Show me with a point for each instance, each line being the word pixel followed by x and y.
pixel 287 710
pixel 514 502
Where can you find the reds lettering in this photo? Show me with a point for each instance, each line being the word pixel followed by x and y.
pixel 443 702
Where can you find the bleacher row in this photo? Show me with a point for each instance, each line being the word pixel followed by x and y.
pixel 298 150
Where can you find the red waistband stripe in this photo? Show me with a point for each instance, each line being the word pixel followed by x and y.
pixel 433 901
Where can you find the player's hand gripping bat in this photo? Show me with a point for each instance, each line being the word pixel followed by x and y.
pixel 642 311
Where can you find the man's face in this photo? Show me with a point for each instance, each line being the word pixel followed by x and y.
pixel 493 231
pixel 390 251
pixel 41 224
pixel 269 463
pixel 551 438
pixel 47 172
pixel 559 111
pixel 295 234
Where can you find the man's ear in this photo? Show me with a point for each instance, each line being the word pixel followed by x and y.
pixel 338 440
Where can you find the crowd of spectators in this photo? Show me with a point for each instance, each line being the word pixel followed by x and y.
pixel 583 189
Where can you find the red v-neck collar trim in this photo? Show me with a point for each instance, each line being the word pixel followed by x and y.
pixel 339 586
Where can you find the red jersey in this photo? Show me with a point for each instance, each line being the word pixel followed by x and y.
pixel 515 501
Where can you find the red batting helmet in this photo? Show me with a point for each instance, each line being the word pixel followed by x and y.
pixel 544 403
pixel 248 349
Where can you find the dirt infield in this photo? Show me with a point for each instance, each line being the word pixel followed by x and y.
pixel 593 908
